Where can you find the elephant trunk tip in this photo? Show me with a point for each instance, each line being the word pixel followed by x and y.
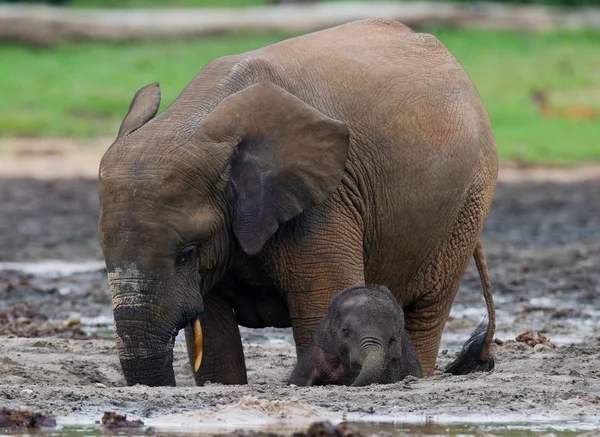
pixel 373 366
pixel 152 371
pixel 475 355
pixel 163 379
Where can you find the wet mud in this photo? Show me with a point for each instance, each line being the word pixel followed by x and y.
pixel 23 320
pixel 25 419
pixel 542 242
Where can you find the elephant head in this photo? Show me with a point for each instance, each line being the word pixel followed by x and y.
pixel 184 193
pixel 364 327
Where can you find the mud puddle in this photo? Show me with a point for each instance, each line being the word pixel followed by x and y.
pixel 293 421
pixel 424 427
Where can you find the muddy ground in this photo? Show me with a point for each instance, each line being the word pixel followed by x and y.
pixel 542 241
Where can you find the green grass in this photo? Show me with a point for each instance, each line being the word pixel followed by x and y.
pixel 85 90
pixel 506 66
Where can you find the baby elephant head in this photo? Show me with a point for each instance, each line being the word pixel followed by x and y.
pixel 361 341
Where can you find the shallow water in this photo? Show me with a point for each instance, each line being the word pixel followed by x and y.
pixel 52 268
pixel 427 427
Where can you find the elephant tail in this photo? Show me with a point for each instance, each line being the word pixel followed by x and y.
pixel 475 355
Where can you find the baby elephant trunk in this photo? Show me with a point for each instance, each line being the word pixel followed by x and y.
pixel 373 363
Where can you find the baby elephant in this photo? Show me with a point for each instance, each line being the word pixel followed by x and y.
pixel 361 341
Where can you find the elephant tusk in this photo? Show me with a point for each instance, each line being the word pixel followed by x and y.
pixel 197 344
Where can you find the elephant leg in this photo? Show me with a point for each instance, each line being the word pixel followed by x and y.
pixel 223 356
pixel 425 321
pixel 317 267
pixel 437 281
pixel 309 308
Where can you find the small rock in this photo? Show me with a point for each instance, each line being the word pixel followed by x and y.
pixel 26 391
pixel 99 385
pixel 63 291
pixel 532 339
pixel 24 419
pixel 112 420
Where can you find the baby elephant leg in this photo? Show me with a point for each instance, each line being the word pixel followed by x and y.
pixel 409 364
pixel 317 367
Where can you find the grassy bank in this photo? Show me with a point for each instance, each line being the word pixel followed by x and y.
pixel 84 90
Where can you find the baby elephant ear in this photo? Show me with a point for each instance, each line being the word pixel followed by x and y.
pixel 287 157
pixel 143 108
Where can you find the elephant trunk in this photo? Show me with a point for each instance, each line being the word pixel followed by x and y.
pixel 154 371
pixel 145 341
pixel 373 362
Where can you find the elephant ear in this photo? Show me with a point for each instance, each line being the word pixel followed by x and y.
pixel 143 108
pixel 287 157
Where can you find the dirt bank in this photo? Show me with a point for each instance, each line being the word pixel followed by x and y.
pixel 71 158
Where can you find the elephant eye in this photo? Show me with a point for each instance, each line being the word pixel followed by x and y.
pixel 345 333
pixel 391 342
pixel 186 255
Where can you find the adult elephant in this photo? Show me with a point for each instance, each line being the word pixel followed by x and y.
pixel 359 154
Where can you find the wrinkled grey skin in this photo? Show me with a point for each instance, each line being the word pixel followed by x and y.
pixel 361 341
pixel 359 154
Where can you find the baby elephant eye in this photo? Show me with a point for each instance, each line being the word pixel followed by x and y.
pixel 345 333
pixel 186 255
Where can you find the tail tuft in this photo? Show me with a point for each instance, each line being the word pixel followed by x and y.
pixel 469 359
